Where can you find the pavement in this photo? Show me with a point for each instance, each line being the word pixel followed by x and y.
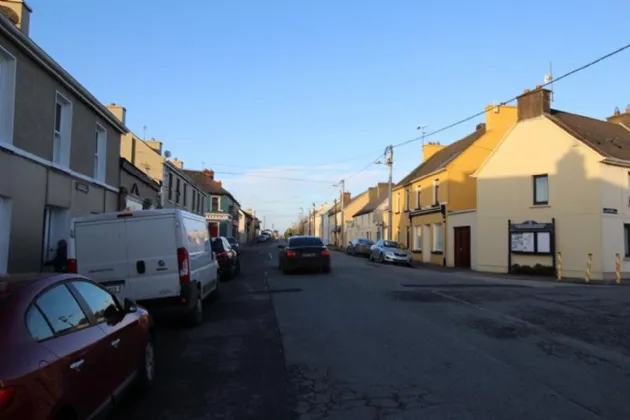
pixel 371 341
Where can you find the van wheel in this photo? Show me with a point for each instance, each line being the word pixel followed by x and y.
pixel 195 317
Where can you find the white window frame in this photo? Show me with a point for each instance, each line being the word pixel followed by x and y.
pixel 407 197
pixel 5 233
pixel 438 247
pixel 8 71
pixel 62 135
pixel 436 189
pixel 100 154
pixel 418 197
pixel 417 238
pixel 218 197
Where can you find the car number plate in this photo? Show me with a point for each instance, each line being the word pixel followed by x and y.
pixel 115 289
pixel 308 255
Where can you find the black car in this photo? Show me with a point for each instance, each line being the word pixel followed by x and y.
pixel 227 257
pixel 234 244
pixel 360 246
pixel 304 253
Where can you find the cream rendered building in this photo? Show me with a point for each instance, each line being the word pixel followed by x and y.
pixel 561 168
pixel 367 220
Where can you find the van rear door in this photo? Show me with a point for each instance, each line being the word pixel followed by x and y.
pixel 101 252
pixel 152 271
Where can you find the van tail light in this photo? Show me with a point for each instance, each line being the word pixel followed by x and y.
pixel 291 254
pixel 6 396
pixel 325 252
pixel 183 262
pixel 72 266
pixel 221 255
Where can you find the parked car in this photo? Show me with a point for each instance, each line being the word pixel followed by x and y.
pixel 234 244
pixel 228 258
pixel 390 251
pixel 304 253
pixel 160 258
pixel 69 347
pixel 360 246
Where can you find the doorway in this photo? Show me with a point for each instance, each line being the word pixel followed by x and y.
pixel 213 229
pixel 56 228
pixel 462 246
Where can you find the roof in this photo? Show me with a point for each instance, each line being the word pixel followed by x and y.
pixel 208 184
pixel 373 204
pixel 40 57
pixel 610 140
pixel 337 208
pixel 443 157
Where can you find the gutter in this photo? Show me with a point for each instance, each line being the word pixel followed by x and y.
pixel 49 64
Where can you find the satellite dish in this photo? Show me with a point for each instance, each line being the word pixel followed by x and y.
pixel 548 78
pixel 167 154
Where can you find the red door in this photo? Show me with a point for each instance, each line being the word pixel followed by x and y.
pixel 213 229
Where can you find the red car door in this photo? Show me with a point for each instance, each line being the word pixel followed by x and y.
pixel 81 367
pixel 122 342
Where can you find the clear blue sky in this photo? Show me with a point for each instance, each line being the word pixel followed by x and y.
pixel 240 85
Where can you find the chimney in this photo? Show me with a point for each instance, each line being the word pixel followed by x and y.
pixel 346 197
pixel 18 12
pixel 177 163
pixel 429 149
pixel 119 111
pixel 620 118
pixel 154 144
pixel 372 193
pixel 219 183
pixel 208 173
pixel 383 187
pixel 532 104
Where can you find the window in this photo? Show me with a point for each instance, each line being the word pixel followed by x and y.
pixel 418 202
pixel 37 325
pixel 100 153
pixel 200 203
pixel 62 310
pixel 436 192
pixel 5 233
pixel 215 204
pixel 178 185
pixel 626 238
pixel 97 299
pixel 417 238
pixel 398 202
pixel 7 96
pixel 194 201
pixel 185 193
pixel 541 189
pixel 407 192
pixel 62 130
pixel 437 237
pixel 170 187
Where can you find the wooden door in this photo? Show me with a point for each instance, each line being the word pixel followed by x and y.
pixel 462 246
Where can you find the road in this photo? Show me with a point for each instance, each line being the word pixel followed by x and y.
pixel 378 342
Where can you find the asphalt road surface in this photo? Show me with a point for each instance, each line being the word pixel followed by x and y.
pixel 371 341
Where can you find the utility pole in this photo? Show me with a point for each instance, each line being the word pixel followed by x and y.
pixel 302 221
pixel 343 204
pixel 314 233
pixel 336 234
pixel 264 222
pixel 390 162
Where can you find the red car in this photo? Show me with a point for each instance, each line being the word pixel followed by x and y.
pixel 69 348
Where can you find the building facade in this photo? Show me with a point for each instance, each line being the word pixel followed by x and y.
pixel 59 149
pixel 221 209
pixel 180 191
pixel 367 221
pixel 557 187
pixel 137 190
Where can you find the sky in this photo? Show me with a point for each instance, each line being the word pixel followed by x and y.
pixel 313 91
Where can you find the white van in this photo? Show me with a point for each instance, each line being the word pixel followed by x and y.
pixel 162 259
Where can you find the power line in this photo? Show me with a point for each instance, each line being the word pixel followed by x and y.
pixel 478 114
pixel 275 177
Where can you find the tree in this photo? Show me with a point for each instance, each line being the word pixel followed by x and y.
pixel 288 233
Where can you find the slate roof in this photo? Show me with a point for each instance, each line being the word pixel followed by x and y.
pixel 208 185
pixel 373 204
pixel 609 139
pixel 443 157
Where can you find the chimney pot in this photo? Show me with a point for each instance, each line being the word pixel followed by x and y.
pixel 627 109
pixel 616 112
pixel 526 91
pixel 538 87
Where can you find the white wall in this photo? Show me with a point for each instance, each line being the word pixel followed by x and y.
pixel 464 218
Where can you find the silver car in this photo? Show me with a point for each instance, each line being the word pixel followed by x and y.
pixel 390 251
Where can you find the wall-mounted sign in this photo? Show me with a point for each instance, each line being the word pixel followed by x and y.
pixel 218 217
pixel 608 210
pixel 135 190
pixel 80 186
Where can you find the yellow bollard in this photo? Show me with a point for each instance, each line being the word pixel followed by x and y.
pixel 618 268
pixel 589 262
pixel 559 266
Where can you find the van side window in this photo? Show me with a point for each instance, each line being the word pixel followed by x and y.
pixel 196 233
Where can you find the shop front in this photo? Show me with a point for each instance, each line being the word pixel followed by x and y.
pixel 219 224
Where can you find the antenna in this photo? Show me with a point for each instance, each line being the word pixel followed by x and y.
pixel 549 80
pixel 167 154
pixel 421 128
pixel 144 132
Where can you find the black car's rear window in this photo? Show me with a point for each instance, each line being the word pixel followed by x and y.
pixel 295 242
pixel 391 244
pixel 217 245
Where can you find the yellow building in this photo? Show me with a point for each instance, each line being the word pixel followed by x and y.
pixel 562 169
pixel 441 190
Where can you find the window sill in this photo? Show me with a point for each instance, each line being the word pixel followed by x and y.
pixel 540 206
pixel 437 252
pixel 416 251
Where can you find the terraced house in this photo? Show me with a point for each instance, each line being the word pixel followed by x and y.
pixel 59 148
pixel 429 201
